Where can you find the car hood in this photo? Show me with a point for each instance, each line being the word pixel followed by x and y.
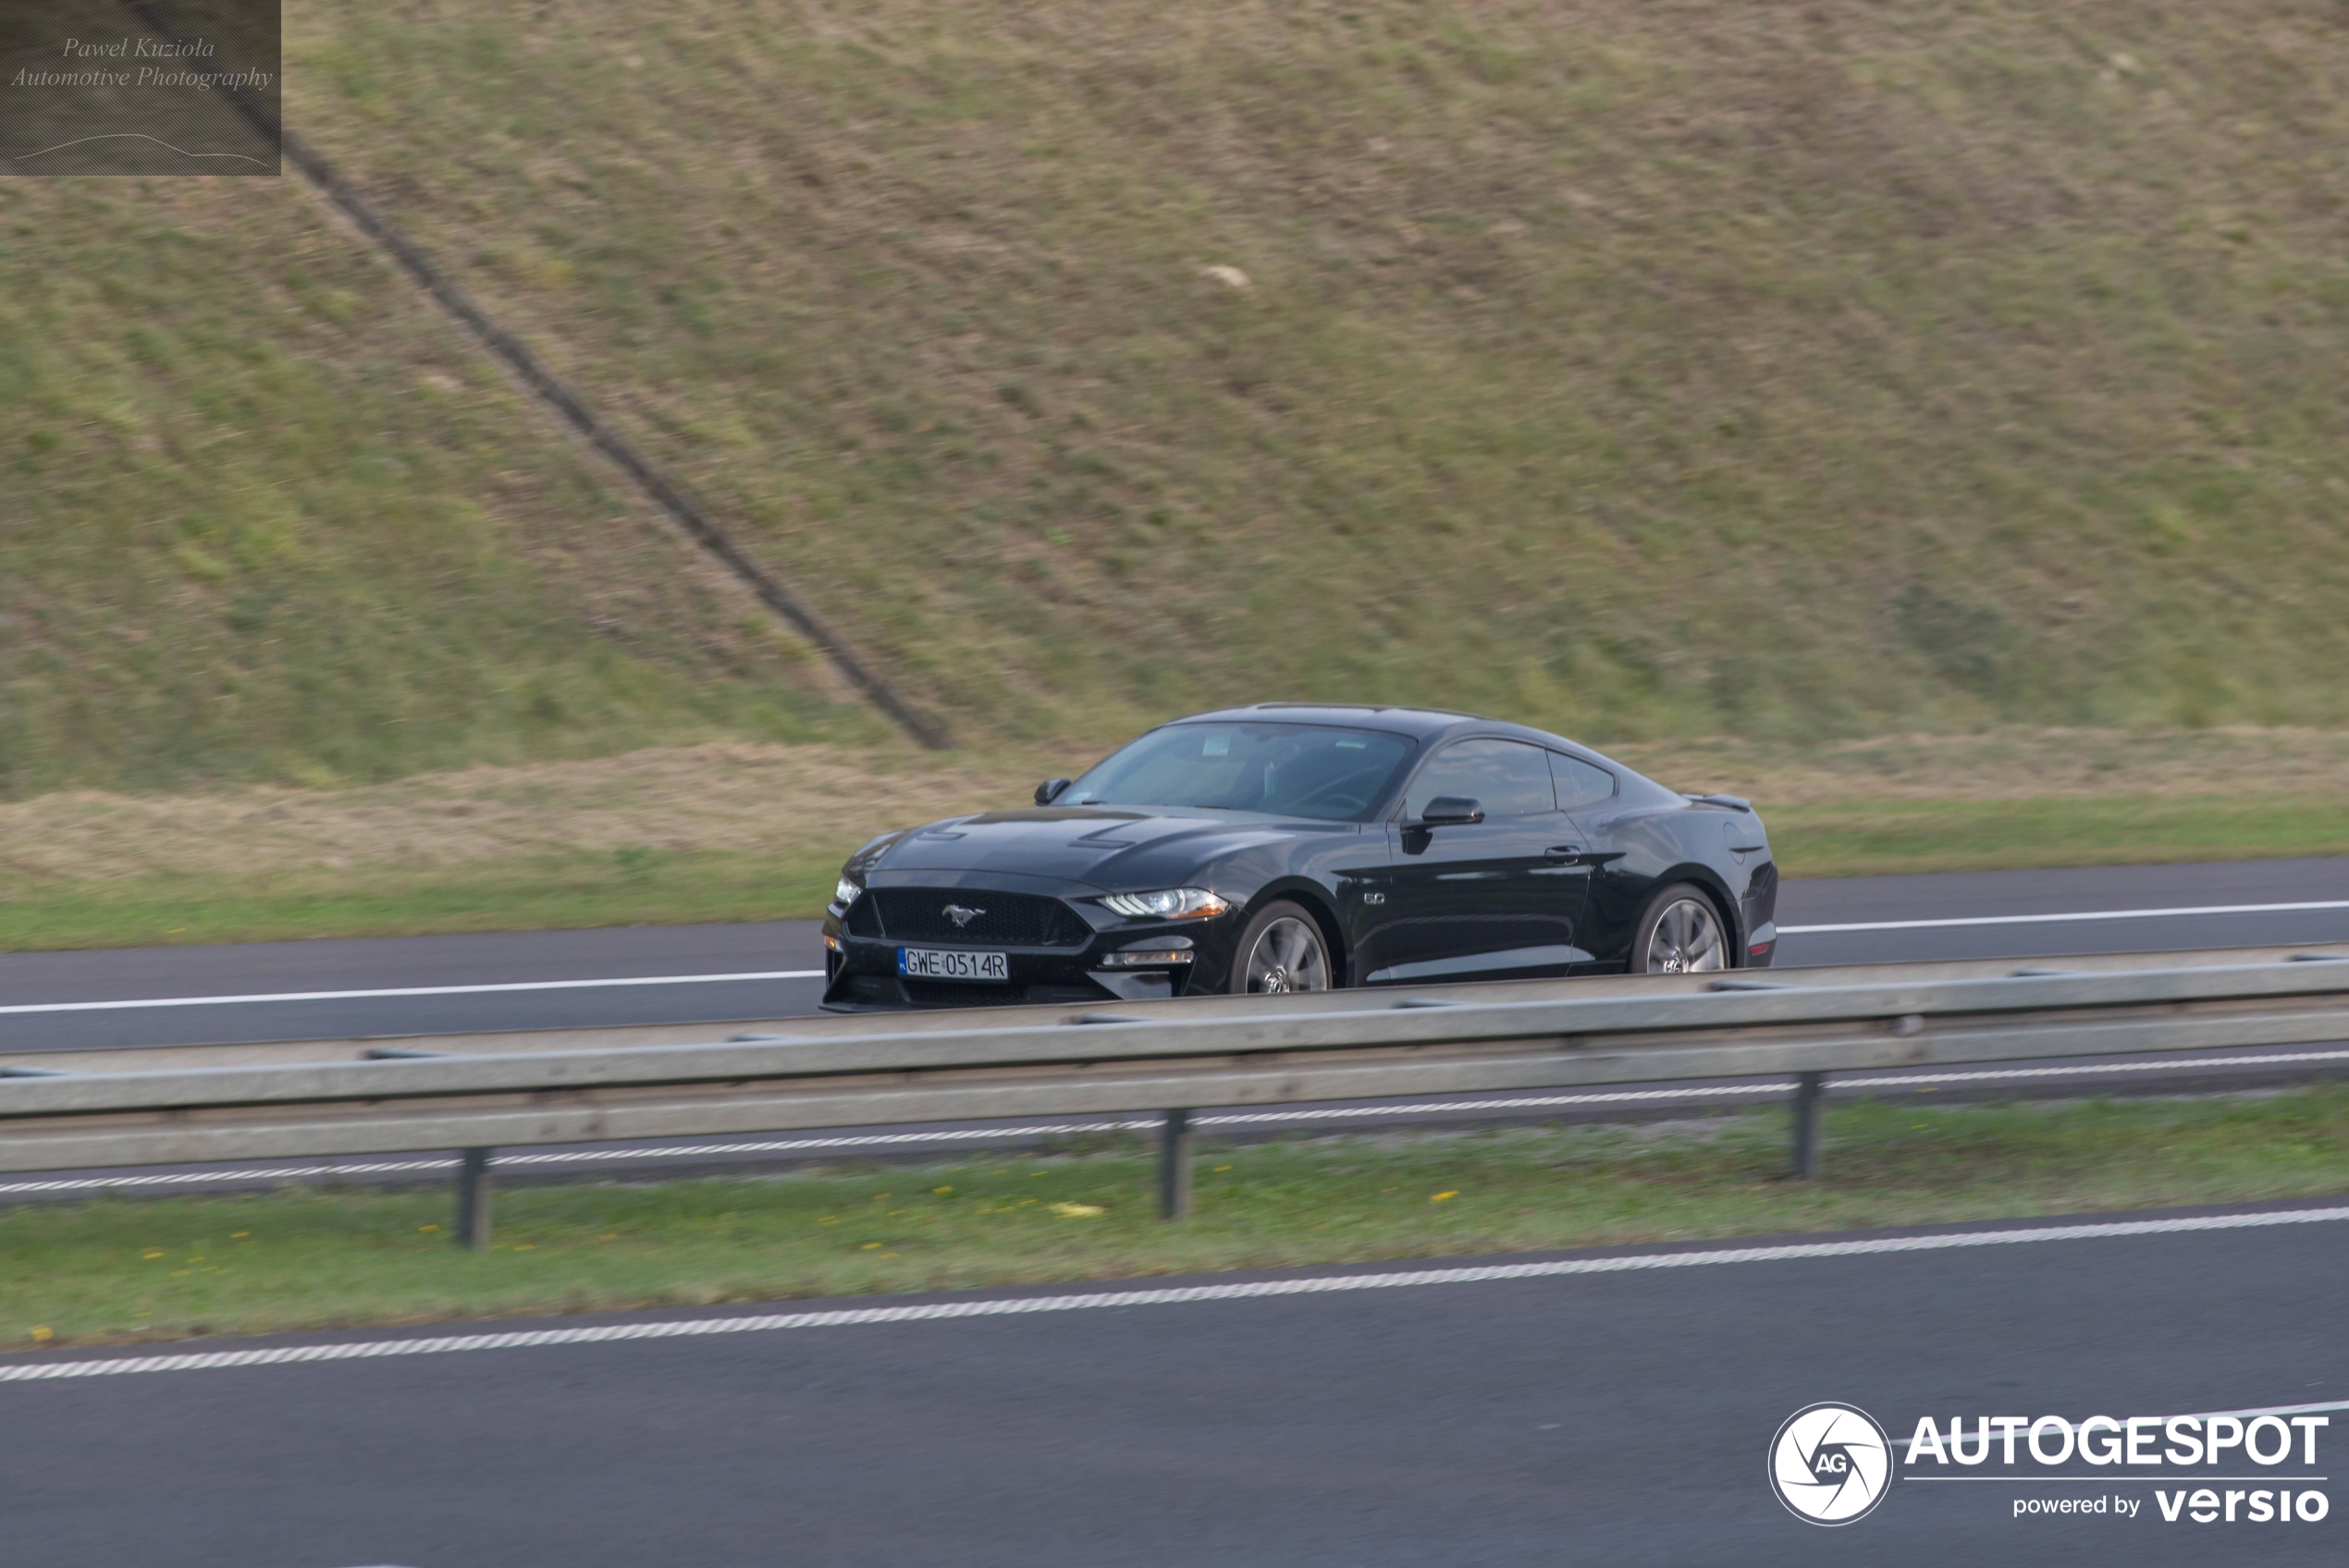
pixel 1111 848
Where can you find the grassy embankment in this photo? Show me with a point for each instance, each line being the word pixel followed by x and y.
pixel 121 1270
pixel 1636 369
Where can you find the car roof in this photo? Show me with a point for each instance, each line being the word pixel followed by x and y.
pixel 1419 723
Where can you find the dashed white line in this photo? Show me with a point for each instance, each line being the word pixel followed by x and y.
pixel 1180 1296
pixel 413 991
pixel 2060 919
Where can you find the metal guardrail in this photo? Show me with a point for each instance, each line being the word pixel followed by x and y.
pixel 90 1109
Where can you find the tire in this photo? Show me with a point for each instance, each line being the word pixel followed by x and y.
pixel 1281 950
pixel 1681 933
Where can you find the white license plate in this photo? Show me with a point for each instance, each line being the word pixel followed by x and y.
pixel 933 963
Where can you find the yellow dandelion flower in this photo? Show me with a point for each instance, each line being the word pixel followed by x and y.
pixel 1441 1196
pixel 44 1334
pixel 1077 1211
pixel 869 1246
pixel 940 1192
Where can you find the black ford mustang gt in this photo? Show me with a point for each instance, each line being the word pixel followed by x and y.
pixel 1294 848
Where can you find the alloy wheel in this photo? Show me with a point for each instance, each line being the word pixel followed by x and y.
pixel 1288 956
pixel 1687 940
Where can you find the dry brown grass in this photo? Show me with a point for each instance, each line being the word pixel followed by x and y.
pixel 755 800
pixel 794 801
pixel 2009 764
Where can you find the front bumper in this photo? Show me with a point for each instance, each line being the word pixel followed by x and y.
pixel 860 970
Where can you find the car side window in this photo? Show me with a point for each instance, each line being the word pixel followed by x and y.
pixel 1506 778
pixel 1581 785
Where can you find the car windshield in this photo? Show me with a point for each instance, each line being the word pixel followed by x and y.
pixel 1291 769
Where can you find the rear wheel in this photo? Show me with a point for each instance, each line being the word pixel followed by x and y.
pixel 1281 950
pixel 1680 934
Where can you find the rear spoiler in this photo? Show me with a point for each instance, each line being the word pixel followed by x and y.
pixel 1726 803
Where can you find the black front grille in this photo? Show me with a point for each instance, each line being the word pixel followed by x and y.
pixel 1004 920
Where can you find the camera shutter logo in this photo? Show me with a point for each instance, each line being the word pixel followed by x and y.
pixel 1831 1464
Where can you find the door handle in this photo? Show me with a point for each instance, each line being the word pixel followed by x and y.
pixel 1562 851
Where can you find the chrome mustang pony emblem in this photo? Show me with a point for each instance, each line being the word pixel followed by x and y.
pixel 961 916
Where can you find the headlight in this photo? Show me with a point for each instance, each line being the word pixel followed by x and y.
pixel 1174 904
pixel 846 893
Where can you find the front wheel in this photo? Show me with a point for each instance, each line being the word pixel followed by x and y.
pixel 1281 950
pixel 1680 934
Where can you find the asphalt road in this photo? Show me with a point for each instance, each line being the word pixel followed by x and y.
pixel 606 976
pixel 1615 1417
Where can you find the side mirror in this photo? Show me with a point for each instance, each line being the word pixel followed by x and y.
pixel 1450 811
pixel 1050 790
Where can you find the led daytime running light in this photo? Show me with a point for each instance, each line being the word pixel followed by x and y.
pixel 1171 903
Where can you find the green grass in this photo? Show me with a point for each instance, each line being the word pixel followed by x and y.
pixel 1867 838
pixel 264 516
pixel 630 888
pixel 118 1269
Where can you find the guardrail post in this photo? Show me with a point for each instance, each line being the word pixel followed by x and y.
pixel 1809 1090
pixel 1174 1166
pixel 472 1200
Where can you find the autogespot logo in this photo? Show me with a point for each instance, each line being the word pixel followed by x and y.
pixel 1831 1464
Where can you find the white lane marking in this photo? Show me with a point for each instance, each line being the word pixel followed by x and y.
pixel 567 1157
pixel 2060 919
pixel 1147 1124
pixel 818 974
pixel 2277 1059
pixel 1097 1301
pixel 413 991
